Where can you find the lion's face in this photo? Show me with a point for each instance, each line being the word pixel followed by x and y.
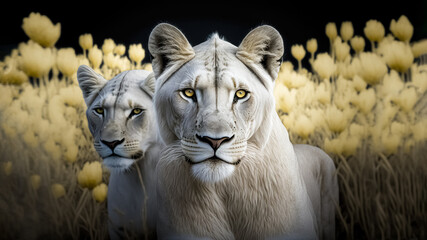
pixel 213 105
pixel 119 115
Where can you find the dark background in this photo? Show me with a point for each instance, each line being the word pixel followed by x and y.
pixel 131 22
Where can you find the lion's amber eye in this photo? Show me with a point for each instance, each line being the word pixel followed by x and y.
pixel 136 111
pixel 188 92
pixel 99 110
pixel 241 93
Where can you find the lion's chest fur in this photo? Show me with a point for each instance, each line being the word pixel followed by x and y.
pixel 259 200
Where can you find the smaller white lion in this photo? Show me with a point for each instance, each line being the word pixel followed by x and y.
pixel 121 119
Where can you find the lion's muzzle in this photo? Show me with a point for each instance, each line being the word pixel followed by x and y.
pixel 215 143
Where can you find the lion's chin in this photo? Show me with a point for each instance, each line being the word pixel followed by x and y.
pixel 212 171
pixel 117 163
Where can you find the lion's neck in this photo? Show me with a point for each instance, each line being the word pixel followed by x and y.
pixel 263 196
pixel 132 193
pixel 267 177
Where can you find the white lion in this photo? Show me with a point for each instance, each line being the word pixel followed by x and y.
pixel 121 119
pixel 228 170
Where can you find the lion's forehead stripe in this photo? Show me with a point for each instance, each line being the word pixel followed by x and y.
pixel 119 88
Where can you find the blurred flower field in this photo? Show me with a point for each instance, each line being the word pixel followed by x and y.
pixel 364 102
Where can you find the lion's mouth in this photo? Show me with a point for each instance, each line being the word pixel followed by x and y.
pixel 134 156
pixel 212 160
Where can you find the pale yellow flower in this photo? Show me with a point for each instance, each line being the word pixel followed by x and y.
pixel 30 138
pixel 108 46
pixel 110 60
pixel 292 79
pixel 390 144
pixel 406 99
pixel 99 193
pixel 40 29
pixel 86 41
pixel 358 130
pixel 288 120
pixel 136 53
pixel 298 52
pixel 374 31
pixel 95 56
pixel 91 175
pixel 358 83
pixel 285 98
pixel 323 94
pixel 402 29
pixel 303 126
pixel 365 100
pixel 342 49
pixel 71 153
pixel 419 48
pixel 120 49
pixel 336 119
pixel 342 98
pixel 324 65
pixel 419 81
pixel 58 190
pixel 358 44
pixel 12 75
pixel 52 149
pixel 67 61
pixel 400 129
pixel 331 31
pixel 346 31
pixel 350 145
pixel 72 96
pixel 312 46
pixel 386 112
pixel 391 86
pixel 334 146
pixel 372 67
pixel 397 55
pixel 36 61
pixel 35 181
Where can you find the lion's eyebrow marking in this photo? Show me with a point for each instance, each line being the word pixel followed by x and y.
pixel 103 100
pixel 196 81
pixel 130 102
pixel 119 91
pixel 234 82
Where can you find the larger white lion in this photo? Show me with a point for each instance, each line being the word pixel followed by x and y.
pixel 229 170
pixel 121 119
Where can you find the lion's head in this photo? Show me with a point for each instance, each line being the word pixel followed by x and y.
pixel 215 98
pixel 119 114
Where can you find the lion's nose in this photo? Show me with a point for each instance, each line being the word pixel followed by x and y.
pixel 214 142
pixel 113 144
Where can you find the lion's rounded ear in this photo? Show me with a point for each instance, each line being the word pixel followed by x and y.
pixel 169 48
pixel 149 85
pixel 90 83
pixel 262 49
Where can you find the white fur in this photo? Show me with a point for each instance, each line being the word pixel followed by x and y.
pixel 131 189
pixel 252 186
pixel 209 172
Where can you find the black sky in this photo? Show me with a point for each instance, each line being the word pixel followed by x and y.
pixel 128 23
